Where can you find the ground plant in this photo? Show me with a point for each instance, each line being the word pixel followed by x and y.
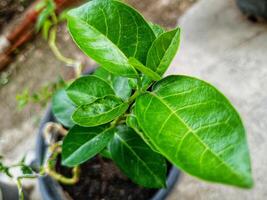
pixel 129 112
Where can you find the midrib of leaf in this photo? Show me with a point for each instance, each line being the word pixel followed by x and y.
pixel 166 52
pixel 76 154
pixel 119 106
pixel 195 135
pixel 119 37
pixel 140 160
pixel 137 32
pixel 105 19
pixel 137 12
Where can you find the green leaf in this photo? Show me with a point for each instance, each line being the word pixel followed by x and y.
pixel 120 84
pixel 136 159
pixel 163 50
pixel 196 128
pixel 99 112
pixel 157 29
pixel 46 28
pixel 45 14
pixel 62 108
pixel 105 153
pixel 87 89
pixel 145 70
pixel 26 170
pixel 109 32
pixel 82 143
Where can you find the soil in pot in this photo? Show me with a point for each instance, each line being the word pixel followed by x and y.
pixel 100 179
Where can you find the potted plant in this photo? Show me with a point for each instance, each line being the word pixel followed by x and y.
pixel 126 113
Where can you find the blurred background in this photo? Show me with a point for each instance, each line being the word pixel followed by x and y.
pixel 219 44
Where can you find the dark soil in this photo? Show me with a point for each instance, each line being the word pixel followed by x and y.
pixel 101 180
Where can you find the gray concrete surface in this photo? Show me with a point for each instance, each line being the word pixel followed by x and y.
pixel 220 46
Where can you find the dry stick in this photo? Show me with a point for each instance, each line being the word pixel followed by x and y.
pixel 77 65
pixel 50 168
pixel 55 149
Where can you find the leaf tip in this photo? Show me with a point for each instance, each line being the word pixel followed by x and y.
pixel 248 183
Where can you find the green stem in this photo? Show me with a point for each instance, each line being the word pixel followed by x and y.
pixel 133 97
pixel 69 62
pixel 54 18
pixel 62 179
pixel 20 190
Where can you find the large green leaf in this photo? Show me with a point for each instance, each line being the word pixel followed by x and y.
pixel 82 143
pixel 109 32
pixel 119 84
pixel 99 112
pixel 161 53
pixel 62 108
pixel 197 129
pixel 87 89
pixel 142 165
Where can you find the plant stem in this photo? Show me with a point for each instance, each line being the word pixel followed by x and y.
pixel 20 190
pixel 53 46
pixel 65 180
pixel 50 168
pixel 133 97
pixel 69 62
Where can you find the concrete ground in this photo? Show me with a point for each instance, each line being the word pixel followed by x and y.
pixel 220 46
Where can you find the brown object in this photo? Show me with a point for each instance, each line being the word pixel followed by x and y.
pixel 25 30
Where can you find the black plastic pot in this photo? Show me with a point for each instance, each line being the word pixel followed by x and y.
pixel 10 192
pixel 51 190
pixel 253 8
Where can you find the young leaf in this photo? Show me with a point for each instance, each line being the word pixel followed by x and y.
pixel 109 32
pixel 120 84
pixel 196 128
pixel 82 143
pixel 163 51
pixel 138 65
pixel 142 165
pixel 87 89
pixel 99 112
pixel 62 108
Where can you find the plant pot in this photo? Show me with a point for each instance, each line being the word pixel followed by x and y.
pixel 10 192
pixel 253 8
pixel 51 190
